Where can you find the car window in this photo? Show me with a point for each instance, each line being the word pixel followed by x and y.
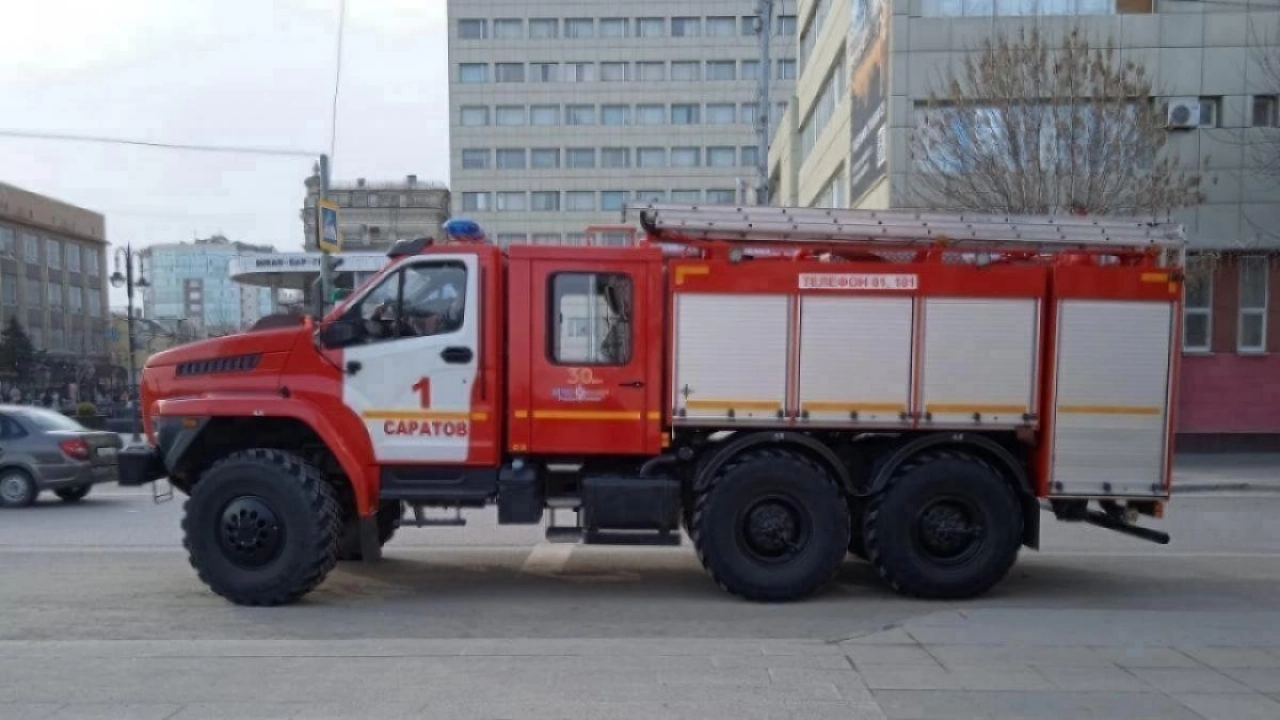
pixel 10 429
pixel 46 420
pixel 418 301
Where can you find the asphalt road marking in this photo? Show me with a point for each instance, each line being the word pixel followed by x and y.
pixel 547 559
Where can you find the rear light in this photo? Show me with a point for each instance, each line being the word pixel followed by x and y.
pixel 76 449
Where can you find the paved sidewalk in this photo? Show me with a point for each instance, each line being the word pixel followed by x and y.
pixel 949 665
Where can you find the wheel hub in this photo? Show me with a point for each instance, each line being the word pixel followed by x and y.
pixel 249 532
pixel 773 529
pixel 948 530
pixel 13 489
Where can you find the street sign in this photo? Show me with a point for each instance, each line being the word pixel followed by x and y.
pixel 328 239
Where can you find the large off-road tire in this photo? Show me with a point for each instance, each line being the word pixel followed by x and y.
pixel 947 525
pixel 73 494
pixel 771 525
pixel 261 527
pixel 389 514
pixel 17 489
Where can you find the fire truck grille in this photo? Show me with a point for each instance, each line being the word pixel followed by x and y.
pixel 238 363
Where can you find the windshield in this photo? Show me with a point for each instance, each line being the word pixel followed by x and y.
pixel 47 420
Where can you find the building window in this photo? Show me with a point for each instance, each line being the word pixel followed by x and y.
pixel 579 72
pixel 722 70
pixel 544 158
pixel 682 114
pixel 470 29
pixel 615 71
pixel 722 114
pixel 614 28
pixel 750 69
pixel 8 241
pixel 508 29
pixel 73 257
pixel 686 27
pixel 590 315
pixel 55 295
pixel 786 69
pixel 509 115
pixel 544 72
pixel 651 157
pixel 721 197
pixel 544 115
pixel 473 73
pixel 475 159
pixel 1252 335
pixel 1210 111
pixel 650 195
pixel 546 239
pixel 750 156
pixel 474 116
pixel 545 200
pixel 615 115
pixel 615 157
pixel 748 113
pixel 35 294
pixel 580 115
pixel 511 159
pixel 579 28
pixel 511 202
pixel 722 26
pixel 544 28
pixel 832 194
pixel 76 298
pixel 684 71
pixel 686 197
pixel 748 23
pixel 580 158
pixel 53 253
pixel 1264 111
pixel 1197 318
pixel 651 71
pixel 475 201
pixel 686 157
pixel 1016 8
pixel 9 283
pixel 509 239
pixel 509 72
pixel 651 27
pixel 613 199
pixel 580 201
pixel 722 156
pixel 787 26
pixel 651 114
pixel 373 200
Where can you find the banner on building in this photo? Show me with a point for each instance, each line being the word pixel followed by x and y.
pixel 868 58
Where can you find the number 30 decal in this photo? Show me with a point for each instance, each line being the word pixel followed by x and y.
pixel 583 376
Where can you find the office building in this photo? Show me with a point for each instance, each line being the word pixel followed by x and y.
pixel 867 68
pixel 561 112
pixel 190 283
pixel 53 276
pixel 373 215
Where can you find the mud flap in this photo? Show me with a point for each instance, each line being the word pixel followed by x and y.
pixel 370 548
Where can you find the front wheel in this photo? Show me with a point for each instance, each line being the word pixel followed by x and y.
pixel 261 527
pixel 73 494
pixel 772 525
pixel 17 489
pixel 946 526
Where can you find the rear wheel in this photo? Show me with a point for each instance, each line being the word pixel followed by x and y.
pixel 17 489
pixel 389 514
pixel 946 526
pixel 73 494
pixel 261 527
pixel 771 525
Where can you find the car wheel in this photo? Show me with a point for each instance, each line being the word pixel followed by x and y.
pixel 73 494
pixel 17 489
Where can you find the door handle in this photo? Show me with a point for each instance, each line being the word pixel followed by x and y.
pixel 353 367
pixel 632 384
pixel 457 355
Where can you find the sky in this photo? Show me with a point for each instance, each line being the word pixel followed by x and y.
pixel 219 72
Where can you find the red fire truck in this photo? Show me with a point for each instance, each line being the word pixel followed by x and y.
pixel 786 386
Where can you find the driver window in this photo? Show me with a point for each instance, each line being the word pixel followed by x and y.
pixel 418 301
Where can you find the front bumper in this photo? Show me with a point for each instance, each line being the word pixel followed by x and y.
pixel 139 465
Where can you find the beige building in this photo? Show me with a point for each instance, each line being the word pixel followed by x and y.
pixel 868 66
pixel 53 273
pixel 563 111
pixel 374 215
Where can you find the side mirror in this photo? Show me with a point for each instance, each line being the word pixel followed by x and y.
pixel 342 333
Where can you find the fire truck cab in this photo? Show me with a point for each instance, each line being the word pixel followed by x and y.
pixel 785 386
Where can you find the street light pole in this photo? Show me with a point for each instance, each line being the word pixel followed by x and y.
pixel 127 255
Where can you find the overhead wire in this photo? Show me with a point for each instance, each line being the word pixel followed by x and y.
pixel 195 147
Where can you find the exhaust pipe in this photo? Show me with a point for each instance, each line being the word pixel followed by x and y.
pixel 1111 522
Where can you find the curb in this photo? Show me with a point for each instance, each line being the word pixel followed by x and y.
pixel 1207 488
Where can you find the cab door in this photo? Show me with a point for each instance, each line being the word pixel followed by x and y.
pixel 413 378
pixel 591 385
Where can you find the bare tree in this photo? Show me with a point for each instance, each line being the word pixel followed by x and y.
pixel 1031 126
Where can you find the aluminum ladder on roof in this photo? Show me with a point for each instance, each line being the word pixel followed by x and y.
pixel 903 228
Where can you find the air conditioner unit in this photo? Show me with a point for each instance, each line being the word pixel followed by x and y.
pixel 1184 113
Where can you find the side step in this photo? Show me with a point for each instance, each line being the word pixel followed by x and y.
pixel 420 519
pixel 571 534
